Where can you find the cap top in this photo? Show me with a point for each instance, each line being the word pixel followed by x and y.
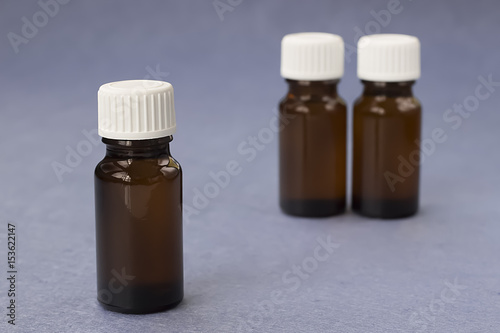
pixel 133 86
pixel 391 38
pixel 312 37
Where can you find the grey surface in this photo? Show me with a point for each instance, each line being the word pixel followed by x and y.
pixel 383 277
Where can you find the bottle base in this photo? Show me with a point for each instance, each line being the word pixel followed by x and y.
pixel 141 299
pixel 385 209
pixel 140 310
pixel 313 208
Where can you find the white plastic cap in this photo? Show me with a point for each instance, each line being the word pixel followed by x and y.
pixel 136 110
pixel 388 58
pixel 312 56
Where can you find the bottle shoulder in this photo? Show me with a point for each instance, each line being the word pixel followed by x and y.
pixel 381 105
pixel 318 105
pixel 139 170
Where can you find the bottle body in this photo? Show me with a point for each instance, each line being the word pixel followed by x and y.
pixel 386 153
pixel 138 201
pixel 312 162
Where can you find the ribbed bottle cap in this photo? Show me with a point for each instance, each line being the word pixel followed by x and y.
pixel 136 110
pixel 388 58
pixel 312 56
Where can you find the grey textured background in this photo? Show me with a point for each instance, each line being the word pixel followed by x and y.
pixel 383 277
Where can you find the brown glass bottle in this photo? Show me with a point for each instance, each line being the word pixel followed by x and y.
pixel 138 201
pixel 386 135
pixel 313 149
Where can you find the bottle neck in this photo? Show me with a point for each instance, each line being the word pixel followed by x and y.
pixel 312 89
pixel 149 148
pixel 389 89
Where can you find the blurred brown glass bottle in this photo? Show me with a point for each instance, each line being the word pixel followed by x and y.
pixel 313 127
pixel 386 128
pixel 138 200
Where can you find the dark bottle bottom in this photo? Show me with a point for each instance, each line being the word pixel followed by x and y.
pixel 384 209
pixel 313 208
pixel 142 300
pixel 140 310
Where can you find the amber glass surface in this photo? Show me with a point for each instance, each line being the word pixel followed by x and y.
pixel 312 149
pixel 386 121
pixel 138 202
